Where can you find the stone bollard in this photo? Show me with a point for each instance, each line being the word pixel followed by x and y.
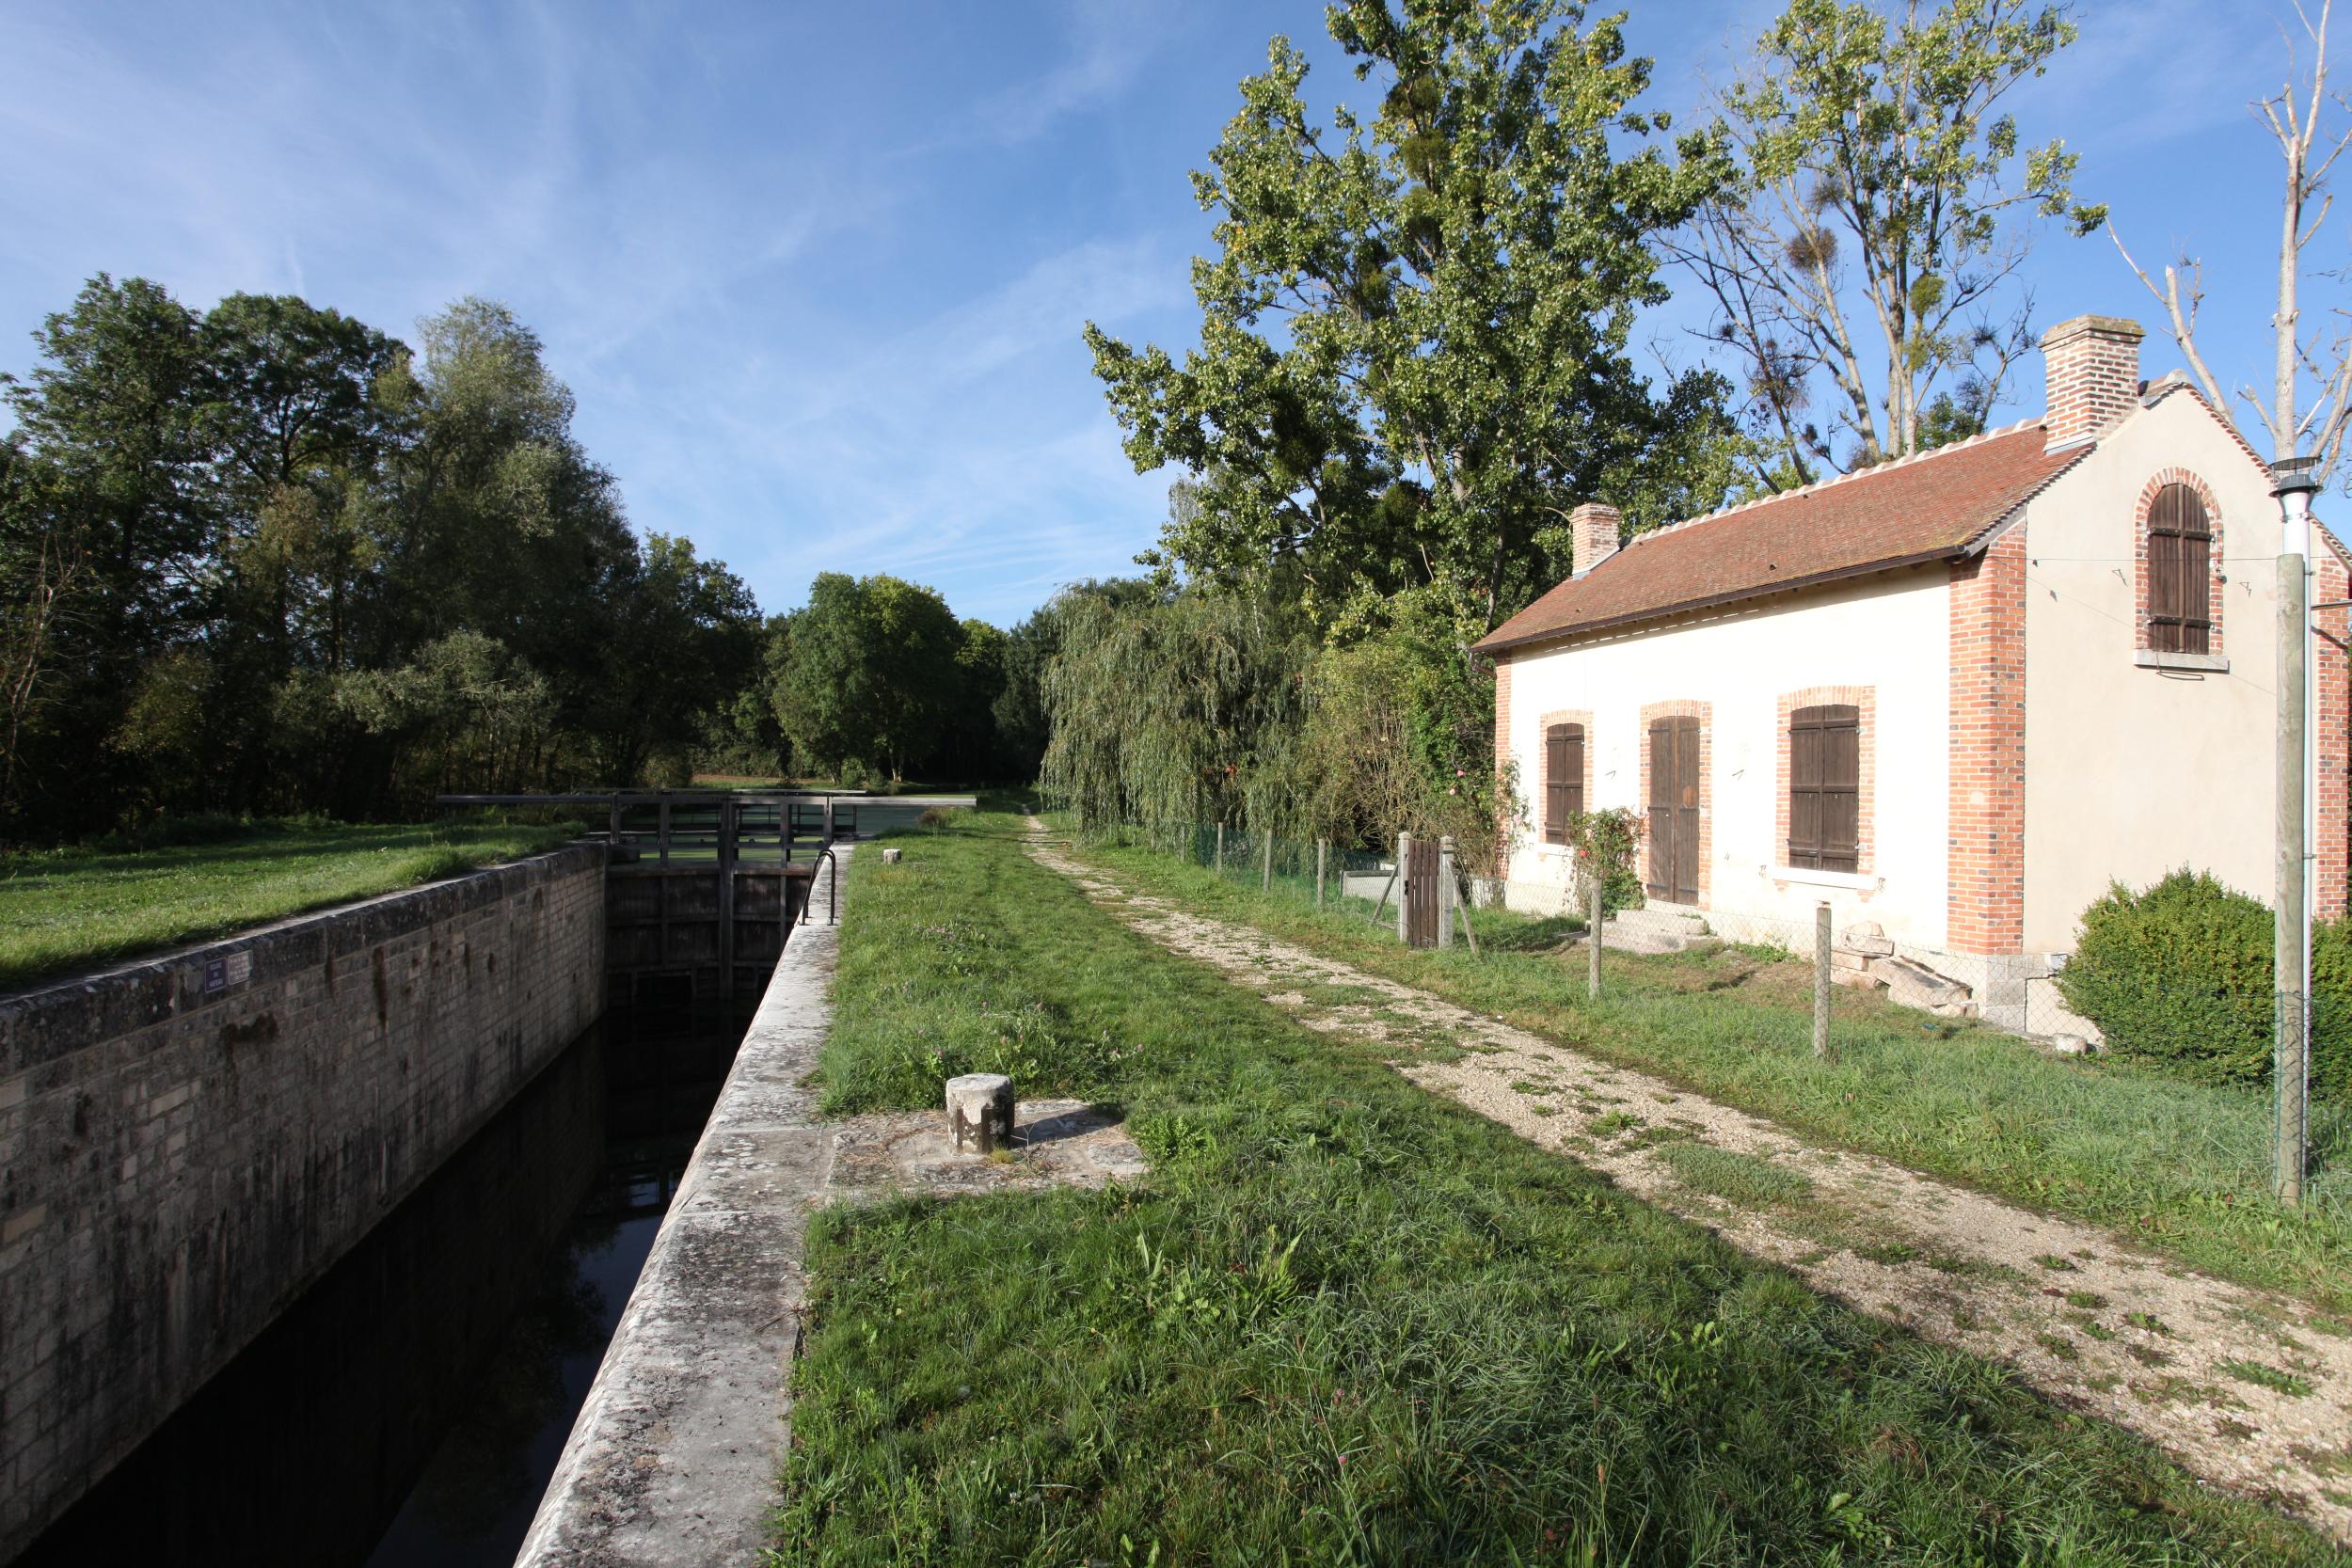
pixel 890 857
pixel 979 1112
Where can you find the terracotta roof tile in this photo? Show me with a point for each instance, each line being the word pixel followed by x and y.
pixel 1938 505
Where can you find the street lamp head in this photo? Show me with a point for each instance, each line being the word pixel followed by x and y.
pixel 2293 476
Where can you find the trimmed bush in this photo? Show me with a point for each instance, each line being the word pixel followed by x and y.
pixel 2178 977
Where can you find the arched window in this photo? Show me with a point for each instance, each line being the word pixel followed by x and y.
pixel 2180 573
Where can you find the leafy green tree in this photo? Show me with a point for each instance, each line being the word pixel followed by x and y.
pixel 968 737
pixel 1017 715
pixel 1863 252
pixel 689 645
pixel 872 678
pixel 44 567
pixel 115 408
pixel 265 558
pixel 109 523
pixel 1412 358
pixel 467 713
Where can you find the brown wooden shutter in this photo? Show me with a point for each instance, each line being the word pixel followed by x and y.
pixel 2180 573
pixel 1825 787
pixel 1564 780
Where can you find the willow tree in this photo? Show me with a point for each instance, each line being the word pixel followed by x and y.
pixel 1172 709
pixel 1412 356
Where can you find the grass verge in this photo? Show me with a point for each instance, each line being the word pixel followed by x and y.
pixel 2180 1167
pixel 66 909
pixel 1343 1321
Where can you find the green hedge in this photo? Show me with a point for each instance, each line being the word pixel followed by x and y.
pixel 2179 976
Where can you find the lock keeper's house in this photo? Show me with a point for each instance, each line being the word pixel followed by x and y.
pixel 1956 695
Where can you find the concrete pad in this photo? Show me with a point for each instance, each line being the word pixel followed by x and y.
pixel 1056 1143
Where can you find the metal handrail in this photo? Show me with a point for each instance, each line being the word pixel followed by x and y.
pixel 832 887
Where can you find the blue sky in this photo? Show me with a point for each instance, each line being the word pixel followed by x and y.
pixel 816 272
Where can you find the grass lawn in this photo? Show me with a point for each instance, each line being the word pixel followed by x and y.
pixel 67 909
pixel 2181 1167
pixel 1343 1321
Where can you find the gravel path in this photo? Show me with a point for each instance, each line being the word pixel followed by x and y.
pixel 2246 1389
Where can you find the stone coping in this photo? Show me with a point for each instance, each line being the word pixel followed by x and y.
pixel 59 1017
pixel 674 1458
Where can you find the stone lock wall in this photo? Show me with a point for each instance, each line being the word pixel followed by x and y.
pixel 185 1143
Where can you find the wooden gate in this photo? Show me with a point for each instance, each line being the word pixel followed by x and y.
pixel 1673 810
pixel 1421 893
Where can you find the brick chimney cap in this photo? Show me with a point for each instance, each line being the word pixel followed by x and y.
pixel 2077 326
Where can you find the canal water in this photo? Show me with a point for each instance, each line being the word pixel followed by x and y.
pixel 409 1408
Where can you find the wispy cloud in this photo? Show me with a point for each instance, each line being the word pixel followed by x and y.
pixel 1108 45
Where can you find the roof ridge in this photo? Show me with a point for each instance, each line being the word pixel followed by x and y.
pixel 1818 485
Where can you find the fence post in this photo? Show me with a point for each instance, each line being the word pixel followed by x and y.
pixel 1265 865
pixel 1821 979
pixel 1322 847
pixel 1221 850
pixel 1445 890
pixel 1403 884
pixel 1592 936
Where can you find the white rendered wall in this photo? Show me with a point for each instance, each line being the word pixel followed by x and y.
pixel 1891 631
pixel 2131 773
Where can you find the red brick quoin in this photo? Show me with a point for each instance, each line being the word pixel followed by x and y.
pixel 1502 761
pixel 1985 863
pixel 2332 673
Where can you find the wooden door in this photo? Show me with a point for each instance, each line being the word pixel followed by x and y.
pixel 1673 810
pixel 1421 894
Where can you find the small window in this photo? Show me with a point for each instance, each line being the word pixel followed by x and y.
pixel 1564 780
pixel 1825 787
pixel 2180 573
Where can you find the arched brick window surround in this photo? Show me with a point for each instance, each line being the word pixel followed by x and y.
pixel 1865 700
pixel 2140 552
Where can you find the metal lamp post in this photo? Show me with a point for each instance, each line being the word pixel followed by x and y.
pixel 2293 481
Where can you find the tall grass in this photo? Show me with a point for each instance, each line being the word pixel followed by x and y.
pixel 1345 1321
pixel 64 909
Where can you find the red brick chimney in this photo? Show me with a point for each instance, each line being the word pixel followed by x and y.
pixel 1595 527
pixel 2093 375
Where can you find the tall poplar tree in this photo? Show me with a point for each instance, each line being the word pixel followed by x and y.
pixel 1413 339
pixel 1862 254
